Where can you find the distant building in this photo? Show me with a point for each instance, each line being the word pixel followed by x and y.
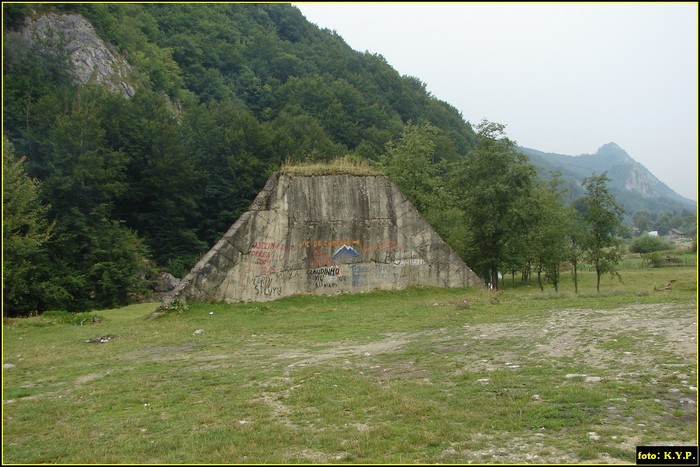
pixel 653 233
pixel 674 234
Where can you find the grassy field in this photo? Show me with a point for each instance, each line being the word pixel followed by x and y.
pixel 416 376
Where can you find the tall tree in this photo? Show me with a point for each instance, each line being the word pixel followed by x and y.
pixel 664 222
pixel 575 238
pixel 493 181
pixel 641 220
pixel 603 218
pixel 549 233
pixel 85 177
pixel 25 230
pixel 409 163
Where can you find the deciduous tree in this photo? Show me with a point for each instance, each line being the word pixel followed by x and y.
pixel 493 182
pixel 549 233
pixel 603 219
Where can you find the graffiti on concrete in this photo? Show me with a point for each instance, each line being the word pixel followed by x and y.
pixel 266 253
pixel 263 286
pixel 328 276
pixel 367 275
pixel 383 246
pixel 263 253
pixel 409 262
pixel 320 258
pixel 345 253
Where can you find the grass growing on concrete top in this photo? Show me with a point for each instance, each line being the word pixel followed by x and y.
pixel 338 166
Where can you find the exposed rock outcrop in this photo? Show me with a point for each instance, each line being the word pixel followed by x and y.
pixel 324 235
pixel 90 57
pixel 165 282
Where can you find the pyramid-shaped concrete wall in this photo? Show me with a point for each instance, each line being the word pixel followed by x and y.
pixel 324 235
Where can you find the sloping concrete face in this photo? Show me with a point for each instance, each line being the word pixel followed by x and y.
pixel 324 235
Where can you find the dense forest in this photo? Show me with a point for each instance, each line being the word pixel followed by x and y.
pixel 106 190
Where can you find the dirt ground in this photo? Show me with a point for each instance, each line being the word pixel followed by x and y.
pixel 653 346
pixel 626 344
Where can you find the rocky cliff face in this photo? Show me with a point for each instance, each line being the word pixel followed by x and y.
pixel 633 186
pixel 90 57
pixel 641 181
pixel 324 235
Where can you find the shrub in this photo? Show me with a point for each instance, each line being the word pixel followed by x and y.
pixel 647 244
pixel 66 317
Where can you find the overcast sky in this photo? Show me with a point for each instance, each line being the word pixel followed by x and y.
pixel 565 78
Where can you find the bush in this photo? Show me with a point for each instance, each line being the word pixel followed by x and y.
pixel 67 317
pixel 647 244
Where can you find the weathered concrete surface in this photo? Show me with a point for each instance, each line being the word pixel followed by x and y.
pixel 324 235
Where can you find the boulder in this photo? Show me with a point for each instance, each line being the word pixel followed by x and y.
pixel 165 282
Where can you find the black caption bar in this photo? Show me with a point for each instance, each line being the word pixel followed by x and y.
pixel 667 455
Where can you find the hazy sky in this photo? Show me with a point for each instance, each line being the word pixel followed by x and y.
pixel 565 78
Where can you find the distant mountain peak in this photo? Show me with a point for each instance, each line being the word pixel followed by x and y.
pixel 630 182
pixel 611 149
pixel 609 146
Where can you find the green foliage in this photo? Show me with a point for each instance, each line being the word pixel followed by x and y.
pixel 603 219
pixel 411 164
pixel 648 244
pixel 224 94
pixel 91 260
pixel 654 259
pixel 100 263
pixel 85 172
pixel 641 220
pixel 116 265
pixel 418 164
pixel 495 185
pixel 34 76
pixel 551 222
pixel 13 15
pixel 25 231
pixel 65 317
pixel 686 222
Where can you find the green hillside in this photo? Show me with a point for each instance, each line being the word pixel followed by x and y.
pixel 224 94
pixel 136 156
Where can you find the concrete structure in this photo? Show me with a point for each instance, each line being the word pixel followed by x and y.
pixel 323 235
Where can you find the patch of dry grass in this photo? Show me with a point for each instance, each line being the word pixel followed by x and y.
pixel 339 166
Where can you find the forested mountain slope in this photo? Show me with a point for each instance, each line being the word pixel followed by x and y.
pixel 221 94
pixel 138 133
